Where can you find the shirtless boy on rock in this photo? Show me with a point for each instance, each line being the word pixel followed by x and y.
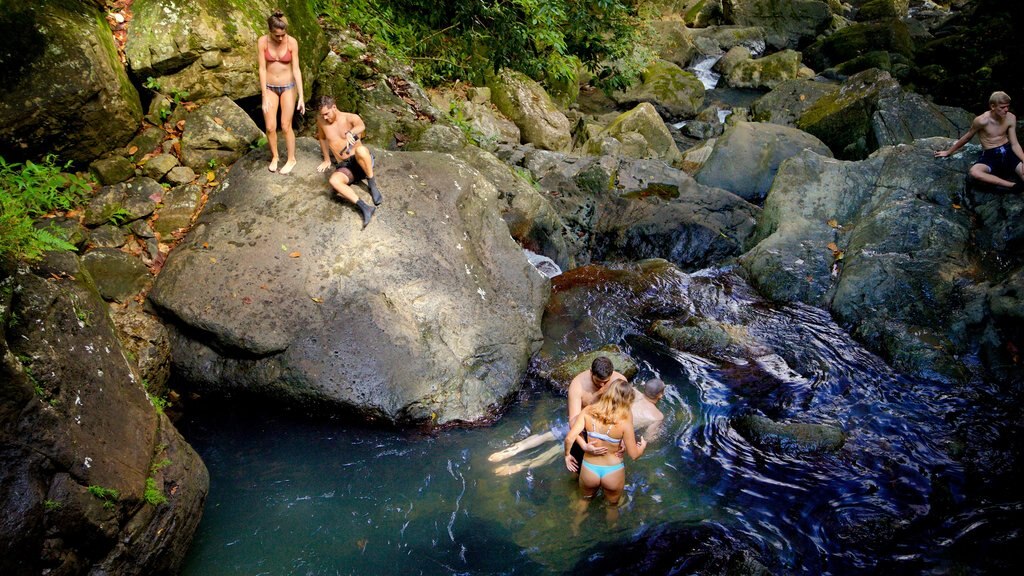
pixel 1001 157
pixel 340 134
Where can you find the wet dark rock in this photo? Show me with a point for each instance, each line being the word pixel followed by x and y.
pixel 678 548
pixel 654 210
pixel 118 275
pixel 312 310
pixel 74 415
pixel 886 246
pixel 70 229
pixel 792 438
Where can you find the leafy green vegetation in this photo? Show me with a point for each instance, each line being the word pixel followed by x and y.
pixel 119 216
pixel 469 39
pixel 52 505
pixel 153 495
pixel 31 190
pixel 108 495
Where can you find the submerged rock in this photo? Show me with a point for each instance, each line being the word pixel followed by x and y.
pixel 793 438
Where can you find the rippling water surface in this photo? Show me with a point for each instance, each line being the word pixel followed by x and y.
pixel 294 496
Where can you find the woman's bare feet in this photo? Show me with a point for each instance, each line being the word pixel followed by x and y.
pixel 288 167
pixel 273 165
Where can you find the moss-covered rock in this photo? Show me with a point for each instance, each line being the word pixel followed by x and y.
pixel 842 119
pixel 65 90
pixel 789 100
pixel 207 48
pixel 675 92
pixel 562 374
pixel 858 39
pixel 767 72
pixel 525 102
pixel 879 9
pixel 645 121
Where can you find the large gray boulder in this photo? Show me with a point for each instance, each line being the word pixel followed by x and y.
pixel 95 479
pixel 885 245
pixel 906 117
pixel 524 102
pixel 65 91
pixel 430 314
pixel 207 48
pixel 787 23
pixel 746 157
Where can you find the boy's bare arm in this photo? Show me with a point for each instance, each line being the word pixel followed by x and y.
pixel 1011 133
pixel 975 126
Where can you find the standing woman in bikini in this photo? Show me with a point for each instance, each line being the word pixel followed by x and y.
pixel 609 425
pixel 281 85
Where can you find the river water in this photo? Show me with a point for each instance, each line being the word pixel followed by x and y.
pixel 924 483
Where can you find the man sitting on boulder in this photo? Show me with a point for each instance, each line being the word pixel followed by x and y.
pixel 1001 157
pixel 340 134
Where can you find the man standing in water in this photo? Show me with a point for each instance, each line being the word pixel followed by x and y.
pixel 1001 157
pixel 584 390
pixel 340 134
pixel 646 417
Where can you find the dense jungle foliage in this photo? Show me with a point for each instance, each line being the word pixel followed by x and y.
pixel 551 40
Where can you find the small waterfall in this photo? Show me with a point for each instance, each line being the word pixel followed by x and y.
pixel 701 68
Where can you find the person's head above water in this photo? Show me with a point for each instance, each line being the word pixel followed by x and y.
pixel 615 403
pixel 654 389
pixel 277 22
pixel 601 370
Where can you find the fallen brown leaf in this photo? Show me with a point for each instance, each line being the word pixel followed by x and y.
pixel 294 255
pixel 218 121
pixel 133 149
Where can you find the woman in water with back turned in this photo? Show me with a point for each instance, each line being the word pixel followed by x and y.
pixel 280 83
pixel 609 425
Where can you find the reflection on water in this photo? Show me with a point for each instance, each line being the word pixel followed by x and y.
pixel 298 497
